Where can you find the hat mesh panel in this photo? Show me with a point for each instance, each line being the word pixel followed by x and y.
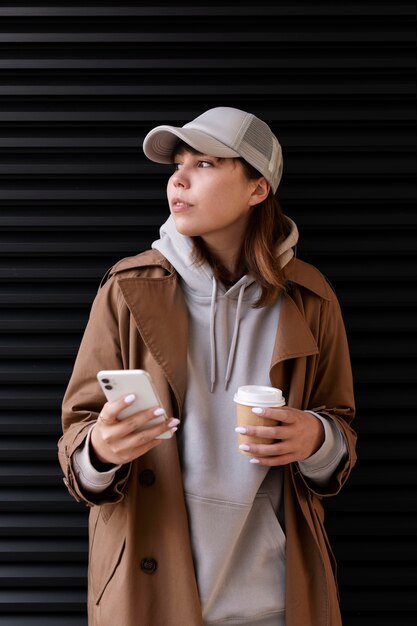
pixel 258 136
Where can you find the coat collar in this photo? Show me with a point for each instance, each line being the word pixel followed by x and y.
pixel 157 304
pixel 307 276
pixel 294 337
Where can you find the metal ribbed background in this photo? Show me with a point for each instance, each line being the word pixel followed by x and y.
pixel 79 88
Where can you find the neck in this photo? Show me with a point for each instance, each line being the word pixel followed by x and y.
pixel 225 247
pixel 223 260
pixel 226 256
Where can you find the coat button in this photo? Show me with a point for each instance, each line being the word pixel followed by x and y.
pixel 148 565
pixel 147 478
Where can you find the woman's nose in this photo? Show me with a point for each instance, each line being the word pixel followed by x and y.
pixel 180 179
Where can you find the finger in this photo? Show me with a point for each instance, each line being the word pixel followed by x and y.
pixel 127 449
pixel 261 449
pixel 281 414
pixel 265 432
pixel 110 411
pixel 153 422
pixel 273 461
pixel 140 442
pixel 152 431
pixel 147 418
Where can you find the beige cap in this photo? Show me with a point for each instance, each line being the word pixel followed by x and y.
pixel 222 132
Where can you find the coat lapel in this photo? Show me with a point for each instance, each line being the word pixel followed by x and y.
pixel 293 338
pixel 159 310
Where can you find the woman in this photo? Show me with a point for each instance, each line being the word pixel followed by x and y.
pixel 186 531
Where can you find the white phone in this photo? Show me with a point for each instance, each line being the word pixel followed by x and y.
pixel 120 383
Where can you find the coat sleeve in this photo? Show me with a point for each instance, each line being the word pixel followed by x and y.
pixel 100 348
pixel 332 392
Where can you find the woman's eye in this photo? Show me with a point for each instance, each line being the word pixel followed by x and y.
pixel 178 166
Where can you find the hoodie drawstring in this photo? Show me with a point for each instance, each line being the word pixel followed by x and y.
pixel 235 334
pixel 232 349
pixel 212 337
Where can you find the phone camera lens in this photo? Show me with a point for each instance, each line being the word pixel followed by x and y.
pixel 108 387
pixel 105 380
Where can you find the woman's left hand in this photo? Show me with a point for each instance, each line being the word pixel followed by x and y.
pixel 299 434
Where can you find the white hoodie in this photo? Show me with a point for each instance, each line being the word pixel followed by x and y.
pixel 234 507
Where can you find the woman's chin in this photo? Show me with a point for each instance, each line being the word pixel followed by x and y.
pixel 185 229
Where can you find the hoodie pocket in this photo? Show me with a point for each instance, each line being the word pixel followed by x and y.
pixel 239 554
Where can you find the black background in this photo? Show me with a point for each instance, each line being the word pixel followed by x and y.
pixel 79 88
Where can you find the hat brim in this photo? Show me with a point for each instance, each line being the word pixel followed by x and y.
pixel 160 142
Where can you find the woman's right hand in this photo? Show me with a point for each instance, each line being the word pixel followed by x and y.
pixel 118 442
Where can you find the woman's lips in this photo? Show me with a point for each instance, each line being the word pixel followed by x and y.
pixel 178 205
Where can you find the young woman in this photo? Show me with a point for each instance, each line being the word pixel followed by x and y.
pixel 186 531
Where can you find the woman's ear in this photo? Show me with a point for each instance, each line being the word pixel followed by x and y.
pixel 260 192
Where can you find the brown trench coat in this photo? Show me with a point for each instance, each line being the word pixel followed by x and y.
pixel 140 561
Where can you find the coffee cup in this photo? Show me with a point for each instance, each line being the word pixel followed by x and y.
pixel 250 396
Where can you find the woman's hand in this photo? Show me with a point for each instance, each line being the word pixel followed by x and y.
pixel 298 433
pixel 117 442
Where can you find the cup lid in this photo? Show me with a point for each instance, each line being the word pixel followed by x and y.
pixel 259 395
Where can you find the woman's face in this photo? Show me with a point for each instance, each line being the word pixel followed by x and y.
pixel 210 197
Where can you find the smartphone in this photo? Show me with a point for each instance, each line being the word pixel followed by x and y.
pixel 120 383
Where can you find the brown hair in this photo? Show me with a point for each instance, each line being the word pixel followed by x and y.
pixel 266 228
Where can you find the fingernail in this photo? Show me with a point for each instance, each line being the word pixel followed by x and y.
pixel 240 429
pixel 129 399
pixel 159 412
pixel 254 461
pixel 257 410
pixel 244 446
pixel 173 430
pixel 173 422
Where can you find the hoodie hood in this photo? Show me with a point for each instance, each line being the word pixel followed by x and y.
pixel 199 283
pixel 177 249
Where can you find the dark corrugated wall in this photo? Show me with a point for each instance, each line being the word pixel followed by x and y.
pixel 79 88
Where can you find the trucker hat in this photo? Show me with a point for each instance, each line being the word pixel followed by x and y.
pixel 222 132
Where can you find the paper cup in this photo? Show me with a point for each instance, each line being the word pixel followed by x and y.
pixel 248 397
